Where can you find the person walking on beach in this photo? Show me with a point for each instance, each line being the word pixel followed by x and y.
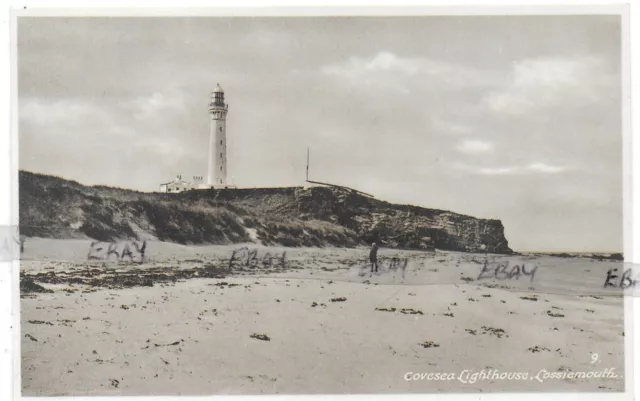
pixel 373 257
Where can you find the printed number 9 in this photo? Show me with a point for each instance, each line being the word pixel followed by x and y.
pixel 594 358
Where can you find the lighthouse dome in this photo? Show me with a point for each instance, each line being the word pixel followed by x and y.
pixel 218 89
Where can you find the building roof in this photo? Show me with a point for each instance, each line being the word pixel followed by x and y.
pixel 218 89
pixel 176 181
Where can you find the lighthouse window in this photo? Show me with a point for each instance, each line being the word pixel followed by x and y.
pixel 220 129
pixel 221 142
pixel 220 168
pixel 221 155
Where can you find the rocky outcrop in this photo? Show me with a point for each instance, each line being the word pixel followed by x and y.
pixel 401 226
pixel 292 216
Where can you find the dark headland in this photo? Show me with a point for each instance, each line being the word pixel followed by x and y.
pixel 53 207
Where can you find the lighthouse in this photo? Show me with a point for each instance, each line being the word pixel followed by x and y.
pixel 217 167
pixel 217 172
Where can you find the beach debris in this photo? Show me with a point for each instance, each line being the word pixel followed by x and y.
pixel 493 331
pixel 448 314
pixel 168 345
pixel 467 279
pixel 40 322
pixel 530 298
pixel 339 299
pixel 30 337
pixel 537 349
pixel 262 337
pixel 114 382
pixel 386 309
pixel 27 285
pixel 429 344
pixel 409 311
pixel 470 331
pixel 503 287
pixel 554 314
pixel 214 311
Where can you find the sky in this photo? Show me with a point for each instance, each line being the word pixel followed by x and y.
pixel 516 118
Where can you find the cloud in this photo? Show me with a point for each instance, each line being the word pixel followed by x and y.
pixel 383 61
pixel 550 82
pixel 449 127
pixel 58 111
pixel 389 71
pixel 474 146
pixel 499 170
pixel 107 125
pixel 545 168
pixel 533 168
pixel 149 107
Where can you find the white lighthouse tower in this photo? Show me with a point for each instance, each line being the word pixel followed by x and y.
pixel 217 173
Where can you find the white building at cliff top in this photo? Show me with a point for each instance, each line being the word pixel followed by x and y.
pixel 180 185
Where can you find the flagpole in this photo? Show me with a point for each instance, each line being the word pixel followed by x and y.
pixel 307 164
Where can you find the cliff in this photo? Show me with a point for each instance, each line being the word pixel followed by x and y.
pixel 293 216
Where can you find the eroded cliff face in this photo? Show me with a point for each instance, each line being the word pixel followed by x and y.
pixel 293 216
pixel 402 226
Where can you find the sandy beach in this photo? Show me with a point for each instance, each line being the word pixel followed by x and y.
pixel 189 321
